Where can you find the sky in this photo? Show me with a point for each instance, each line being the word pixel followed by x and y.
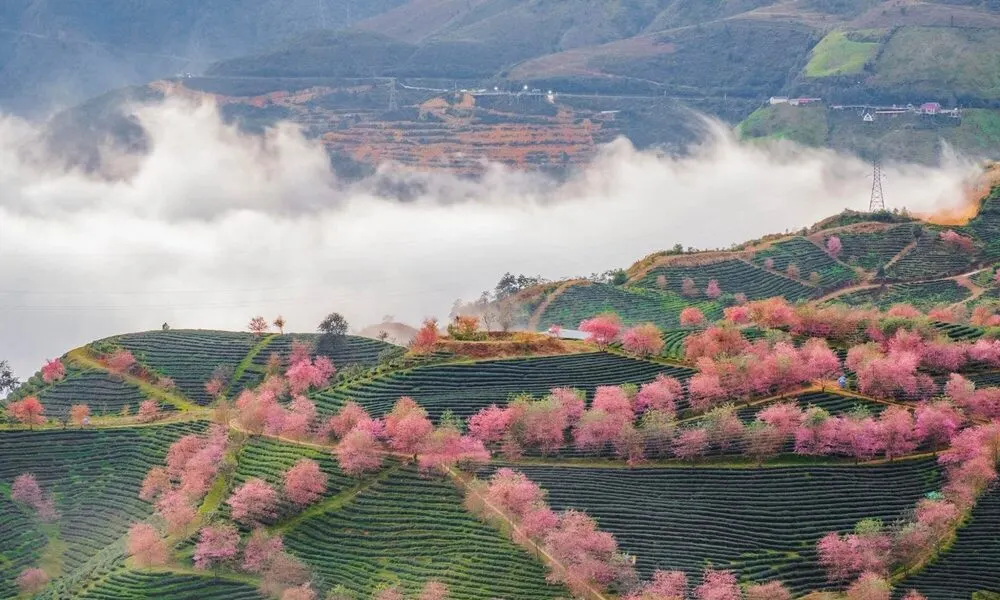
pixel 213 226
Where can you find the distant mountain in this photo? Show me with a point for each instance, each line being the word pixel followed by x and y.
pixel 640 68
pixel 60 52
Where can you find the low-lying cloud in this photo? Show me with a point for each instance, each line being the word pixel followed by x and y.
pixel 214 226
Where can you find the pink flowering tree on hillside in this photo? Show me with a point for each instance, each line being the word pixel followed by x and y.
pixel 712 290
pixel 32 580
pixel 146 546
pixel 28 411
pixel 261 549
pixel 407 426
pixel 359 452
pixel 305 483
pixel 53 371
pixel 691 317
pixel 602 329
pixel 121 362
pixel 718 585
pixel 834 246
pixel 643 340
pixel 253 502
pixel 216 545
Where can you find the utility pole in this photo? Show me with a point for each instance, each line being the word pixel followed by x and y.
pixel 393 101
pixel 877 202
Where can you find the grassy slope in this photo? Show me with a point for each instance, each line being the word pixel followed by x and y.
pixel 839 54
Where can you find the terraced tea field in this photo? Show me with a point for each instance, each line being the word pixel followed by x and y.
pixel 188 356
pixel 931 258
pixel 344 351
pixel 833 403
pixel 95 476
pixel 734 276
pixel 135 585
pixel 268 459
pixel 21 543
pixel 465 388
pixel 957 331
pixel 406 529
pixel 871 250
pixel 104 393
pixel 809 258
pixel 973 562
pixel 764 523
pixel 921 295
pixel 633 305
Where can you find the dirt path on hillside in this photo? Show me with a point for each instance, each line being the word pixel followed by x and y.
pixel 906 250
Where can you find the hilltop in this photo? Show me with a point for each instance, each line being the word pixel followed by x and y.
pixel 712 435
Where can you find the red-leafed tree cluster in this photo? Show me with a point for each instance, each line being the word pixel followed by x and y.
pixel 53 371
pixel 28 411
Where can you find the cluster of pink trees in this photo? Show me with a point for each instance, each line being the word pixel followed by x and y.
pixel 715 585
pixel 146 545
pixel 977 403
pixel 958 240
pixel 32 580
pixel 581 556
pixel 759 369
pixel 870 552
pixel 28 411
pixel 27 490
pixel 406 431
pixel 191 465
pixel 120 361
pixel 256 502
pixel 261 554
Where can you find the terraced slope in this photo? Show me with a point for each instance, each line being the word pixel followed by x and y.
pixel 958 331
pixel 95 476
pixel 930 258
pixel 809 258
pixel 268 459
pixel 762 522
pixel 134 585
pixel 406 529
pixel 343 351
pixel 188 356
pixel 20 544
pixel 973 562
pixel 833 403
pixel 465 388
pixel 734 276
pixel 921 295
pixel 633 305
pixel 873 249
pixel 104 393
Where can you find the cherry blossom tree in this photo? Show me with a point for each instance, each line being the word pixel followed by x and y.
pixel 769 263
pixel 216 545
pixel 986 351
pixel 26 489
pixel 347 418
pixel 793 271
pixel 712 290
pixel 834 246
pixel 434 590
pixel 407 426
pixel 706 390
pixel 870 586
pixel 146 546
pixel 785 417
pixel 149 410
pixel 718 585
pixel 446 447
pixel 28 411
pixel 389 593
pixel 688 287
pixel 691 443
pixel 260 551
pixel 284 571
pixel 957 240
pixel 762 441
pixel 298 420
pixel 643 340
pixel 426 337
pixel 253 502
pixel 120 362
pixel 176 510
pixel 305 483
pixel 359 452
pixel 661 282
pixel 489 424
pixel 514 493
pixel 214 387
pixel 156 483
pixel 904 311
pixel 724 426
pixel 937 422
pixel 774 590
pixel 661 394
pixel 897 433
pixel 715 342
pixel 664 585
pixel 737 315
pixel 79 413
pixel 585 554
pixel 691 316
pixel 32 580
pixel 602 329
pixel 914 595
pixel 866 550
pixel 300 592
pixel 772 313
pixel 53 371
pixel 258 326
